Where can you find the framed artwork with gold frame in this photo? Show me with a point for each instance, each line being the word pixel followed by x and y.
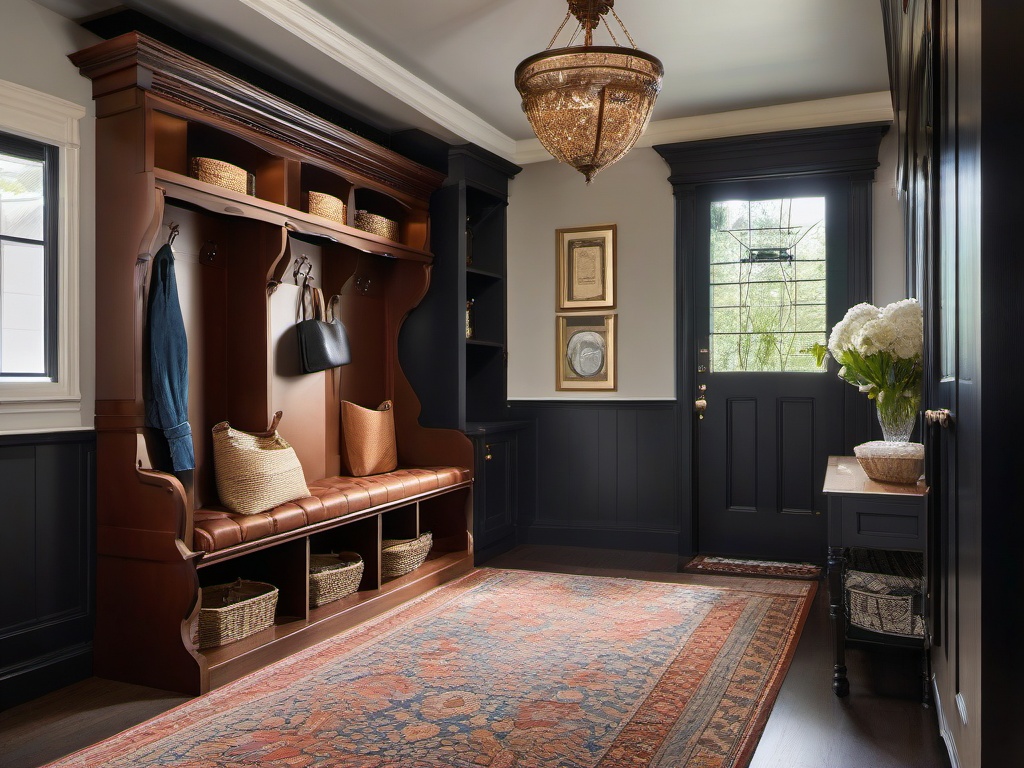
pixel 585 352
pixel 586 267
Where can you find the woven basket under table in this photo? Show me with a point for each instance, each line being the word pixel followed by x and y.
pixel 333 576
pixel 234 611
pixel 401 556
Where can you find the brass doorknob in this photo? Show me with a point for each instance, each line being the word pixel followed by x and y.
pixel 700 405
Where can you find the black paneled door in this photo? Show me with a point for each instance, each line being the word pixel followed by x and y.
pixel 769 281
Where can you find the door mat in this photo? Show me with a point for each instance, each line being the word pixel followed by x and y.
pixel 730 566
pixel 505 669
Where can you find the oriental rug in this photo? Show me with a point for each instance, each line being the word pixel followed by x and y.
pixel 731 566
pixel 505 668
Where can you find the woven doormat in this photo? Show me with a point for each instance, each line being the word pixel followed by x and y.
pixel 730 566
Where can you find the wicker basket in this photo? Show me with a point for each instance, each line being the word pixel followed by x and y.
pixel 231 612
pixel 333 576
pixel 401 556
pixel 328 206
pixel 377 225
pixel 887 462
pixel 223 175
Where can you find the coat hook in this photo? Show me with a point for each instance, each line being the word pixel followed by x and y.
pixel 174 233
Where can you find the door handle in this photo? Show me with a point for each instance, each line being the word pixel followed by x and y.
pixel 701 404
pixel 941 416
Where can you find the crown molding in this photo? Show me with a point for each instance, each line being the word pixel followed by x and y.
pixel 353 54
pixel 821 113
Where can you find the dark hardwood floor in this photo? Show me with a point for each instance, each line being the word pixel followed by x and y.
pixel 880 725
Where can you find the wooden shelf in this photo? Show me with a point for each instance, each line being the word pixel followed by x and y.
pixel 483 343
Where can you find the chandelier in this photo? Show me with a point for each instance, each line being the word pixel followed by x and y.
pixel 588 104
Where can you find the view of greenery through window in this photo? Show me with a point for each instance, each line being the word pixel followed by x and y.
pixel 767 284
pixel 22 280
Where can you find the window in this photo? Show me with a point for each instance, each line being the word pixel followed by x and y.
pixel 28 248
pixel 39 260
pixel 768 289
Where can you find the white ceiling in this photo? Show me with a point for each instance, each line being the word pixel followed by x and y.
pixel 446 66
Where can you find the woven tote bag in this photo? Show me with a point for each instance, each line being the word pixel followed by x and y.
pixel 255 471
pixel 368 439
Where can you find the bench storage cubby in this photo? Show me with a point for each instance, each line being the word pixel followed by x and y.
pixel 162 536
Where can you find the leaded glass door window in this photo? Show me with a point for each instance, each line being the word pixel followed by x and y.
pixel 768 289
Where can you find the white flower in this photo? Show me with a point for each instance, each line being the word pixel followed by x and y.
pixel 907 318
pixel 878 335
pixel 844 331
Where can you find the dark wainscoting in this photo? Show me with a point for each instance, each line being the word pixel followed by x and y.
pixel 603 474
pixel 47 562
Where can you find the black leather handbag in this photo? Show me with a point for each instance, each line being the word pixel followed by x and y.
pixel 323 343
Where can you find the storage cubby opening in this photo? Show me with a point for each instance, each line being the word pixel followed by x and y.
pixel 486 230
pixel 446 517
pixel 401 523
pixel 488 310
pixel 378 204
pixel 360 536
pixel 284 566
pixel 270 170
pixel 485 383
pixel 316 179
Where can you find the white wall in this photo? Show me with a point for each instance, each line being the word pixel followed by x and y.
pixel 34 44
pixel 635 195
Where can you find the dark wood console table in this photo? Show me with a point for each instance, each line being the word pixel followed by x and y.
pixel 871 515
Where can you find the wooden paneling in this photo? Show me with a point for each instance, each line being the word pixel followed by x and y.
pixel 741 454
pixel 46 562
pixel 605 473
pixel 797 477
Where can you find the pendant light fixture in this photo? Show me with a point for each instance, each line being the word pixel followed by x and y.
pixel 588 104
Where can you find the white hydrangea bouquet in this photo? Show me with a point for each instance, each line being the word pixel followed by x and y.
pixel 880 351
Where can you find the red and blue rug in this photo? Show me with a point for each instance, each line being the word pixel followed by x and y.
pixel 502 669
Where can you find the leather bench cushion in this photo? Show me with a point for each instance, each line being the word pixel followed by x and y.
pixel 217 528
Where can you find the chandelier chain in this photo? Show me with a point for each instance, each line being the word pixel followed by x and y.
pixel 560 28
pixel 628 36
pixel 606 26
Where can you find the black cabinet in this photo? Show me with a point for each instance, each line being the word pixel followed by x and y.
pixel 452 347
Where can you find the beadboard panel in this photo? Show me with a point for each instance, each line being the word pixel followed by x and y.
pixel 47 555
pixel 603 472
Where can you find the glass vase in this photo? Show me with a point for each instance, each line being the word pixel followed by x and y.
pixel 897 414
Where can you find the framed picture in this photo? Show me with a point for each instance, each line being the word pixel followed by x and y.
pixel 586 352
pixel 586 267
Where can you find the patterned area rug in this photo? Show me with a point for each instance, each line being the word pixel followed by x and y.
pixel 503 669
pixel 730 566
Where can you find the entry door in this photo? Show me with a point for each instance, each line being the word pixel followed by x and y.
pixel 770 281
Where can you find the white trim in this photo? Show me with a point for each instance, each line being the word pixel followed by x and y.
pixel 353 54
pixel 944 731
pixel 821 113
pixel 42 117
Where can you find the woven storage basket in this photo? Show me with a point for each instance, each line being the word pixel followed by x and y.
pixel 401 556
pixel 377 225
pixel 891 462
pixel 231 612
pixel 328 206
pixel 333 576
pixel 223 175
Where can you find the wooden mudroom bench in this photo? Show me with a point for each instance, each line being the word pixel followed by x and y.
pixel 162 537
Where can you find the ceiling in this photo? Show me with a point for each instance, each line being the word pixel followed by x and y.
pixel 446 66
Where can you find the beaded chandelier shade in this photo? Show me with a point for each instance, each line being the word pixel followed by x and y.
pixel 588 104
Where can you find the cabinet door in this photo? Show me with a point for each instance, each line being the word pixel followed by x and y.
pixel 494 506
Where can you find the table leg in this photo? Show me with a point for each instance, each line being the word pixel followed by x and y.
pixel 837 616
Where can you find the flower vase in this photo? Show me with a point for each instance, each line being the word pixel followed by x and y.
pixel 897 414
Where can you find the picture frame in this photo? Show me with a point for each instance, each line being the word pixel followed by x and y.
pixel 586 267
pixel 585 352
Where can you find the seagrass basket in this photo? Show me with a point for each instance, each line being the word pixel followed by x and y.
pixel 333 576
pixel 223 175
pixel 328 206
pixel 234 611
pixel 377 225
pixel 401 556
pixel 890 462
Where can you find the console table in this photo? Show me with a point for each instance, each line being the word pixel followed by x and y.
pixel 871 515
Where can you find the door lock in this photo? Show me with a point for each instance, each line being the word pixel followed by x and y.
pixel 941 416
pixel 701 404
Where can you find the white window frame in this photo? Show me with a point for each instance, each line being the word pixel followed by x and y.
pixel 41 117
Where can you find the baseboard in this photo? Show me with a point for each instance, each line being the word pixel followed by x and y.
pixel 944 732
pixel 603 538
pixel 44 674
